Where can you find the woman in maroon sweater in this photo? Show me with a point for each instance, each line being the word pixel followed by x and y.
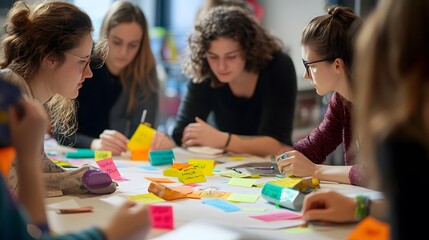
pixel 327 50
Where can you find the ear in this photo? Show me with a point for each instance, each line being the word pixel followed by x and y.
pixel 339 64
pixel 50 62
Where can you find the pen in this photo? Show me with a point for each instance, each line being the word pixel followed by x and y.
pixel 236 170
pixel 143 116
pixel 264 168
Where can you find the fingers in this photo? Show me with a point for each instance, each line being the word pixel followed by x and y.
pixel 114 141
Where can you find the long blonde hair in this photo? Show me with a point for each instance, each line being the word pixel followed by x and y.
pixel 141 72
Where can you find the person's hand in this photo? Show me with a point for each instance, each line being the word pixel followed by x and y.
pixel 130 219
pixel 328 206
pixel 161 141
pixel 110 140
pixel 294 163
pixel 27 131
pixel 202 134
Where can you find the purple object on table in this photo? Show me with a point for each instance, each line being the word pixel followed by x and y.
pixel 98 182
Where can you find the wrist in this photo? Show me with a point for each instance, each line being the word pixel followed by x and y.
pixel 228 140
pixel 362 207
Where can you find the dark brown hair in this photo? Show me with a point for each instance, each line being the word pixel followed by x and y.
pixel 332 35
pixel 31 34
pixel 231 22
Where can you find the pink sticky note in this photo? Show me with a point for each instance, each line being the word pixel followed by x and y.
pixel 286 215
pixel 108 166
pixel 161 216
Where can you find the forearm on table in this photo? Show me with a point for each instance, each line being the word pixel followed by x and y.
pixel 256 145
pixel 330 173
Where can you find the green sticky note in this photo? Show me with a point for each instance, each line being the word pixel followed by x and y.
pixel 247 198
pixel 81 153
pixel 241 182
pixel 161 157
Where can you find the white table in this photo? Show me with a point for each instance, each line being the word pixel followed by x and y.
pixel 188 210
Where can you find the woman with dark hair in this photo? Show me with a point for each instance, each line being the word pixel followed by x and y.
pixel 239 77
pixel 48 48
pixel 327 53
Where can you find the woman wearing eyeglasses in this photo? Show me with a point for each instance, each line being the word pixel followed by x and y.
pixel 327 52
pixel 49 49
pixel 239 78
pixel 111 104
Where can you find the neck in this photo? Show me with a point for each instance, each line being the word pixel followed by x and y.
pixel 344 90
pixel 245 85
pixel 40 87
pixel 112 69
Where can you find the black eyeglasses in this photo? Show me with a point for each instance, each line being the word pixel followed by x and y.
pixel 307 63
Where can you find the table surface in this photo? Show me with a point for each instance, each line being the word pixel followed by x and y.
pixel 191 216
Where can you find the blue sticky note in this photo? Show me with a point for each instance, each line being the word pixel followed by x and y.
pixel 81 153
pixel 150 168
pixel 161 157
pixel 222 204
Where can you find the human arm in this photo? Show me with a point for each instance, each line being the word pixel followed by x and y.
pixel 28 142
pixel 161 141
pixel 326 137
pixel 296 164
pixel 110 140
pixel 196 103
pixel 331 206
pixel 203 134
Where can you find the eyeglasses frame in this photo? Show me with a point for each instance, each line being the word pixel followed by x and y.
pixel 307 63
pixel 81 59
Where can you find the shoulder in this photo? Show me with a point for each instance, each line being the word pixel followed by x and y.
pixel 281 63
pixel 11 77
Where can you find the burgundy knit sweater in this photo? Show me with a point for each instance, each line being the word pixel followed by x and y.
pixel 336 128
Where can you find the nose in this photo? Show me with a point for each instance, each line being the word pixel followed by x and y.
pixel 306 75
pixel 123 51
pixel 222 65
pixel 87 73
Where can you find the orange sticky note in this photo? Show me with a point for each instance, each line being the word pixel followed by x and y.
pixel 370 229
pixel 7 155
pixel 140 154
pixel 161 216
pixel 160 180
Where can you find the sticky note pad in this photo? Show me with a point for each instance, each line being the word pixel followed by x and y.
pixel 142 137
pixel 81 153
pixel 222 205
pixel 161 216
pixel 161 157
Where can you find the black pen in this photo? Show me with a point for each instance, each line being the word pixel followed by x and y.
pixel 236 170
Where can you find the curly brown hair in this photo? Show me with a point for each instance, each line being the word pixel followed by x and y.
pixel 234 23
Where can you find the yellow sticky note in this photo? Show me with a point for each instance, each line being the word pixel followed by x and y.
pixel 192 174
pixel 253 209
pixel 147 198
pixel 233 174
pixel 142 137
pixel 242 182
pixel 206 164
pixel 100 155
pixel 247 198
pixel 212 193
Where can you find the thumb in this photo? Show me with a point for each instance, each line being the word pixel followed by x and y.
pixel 199 120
